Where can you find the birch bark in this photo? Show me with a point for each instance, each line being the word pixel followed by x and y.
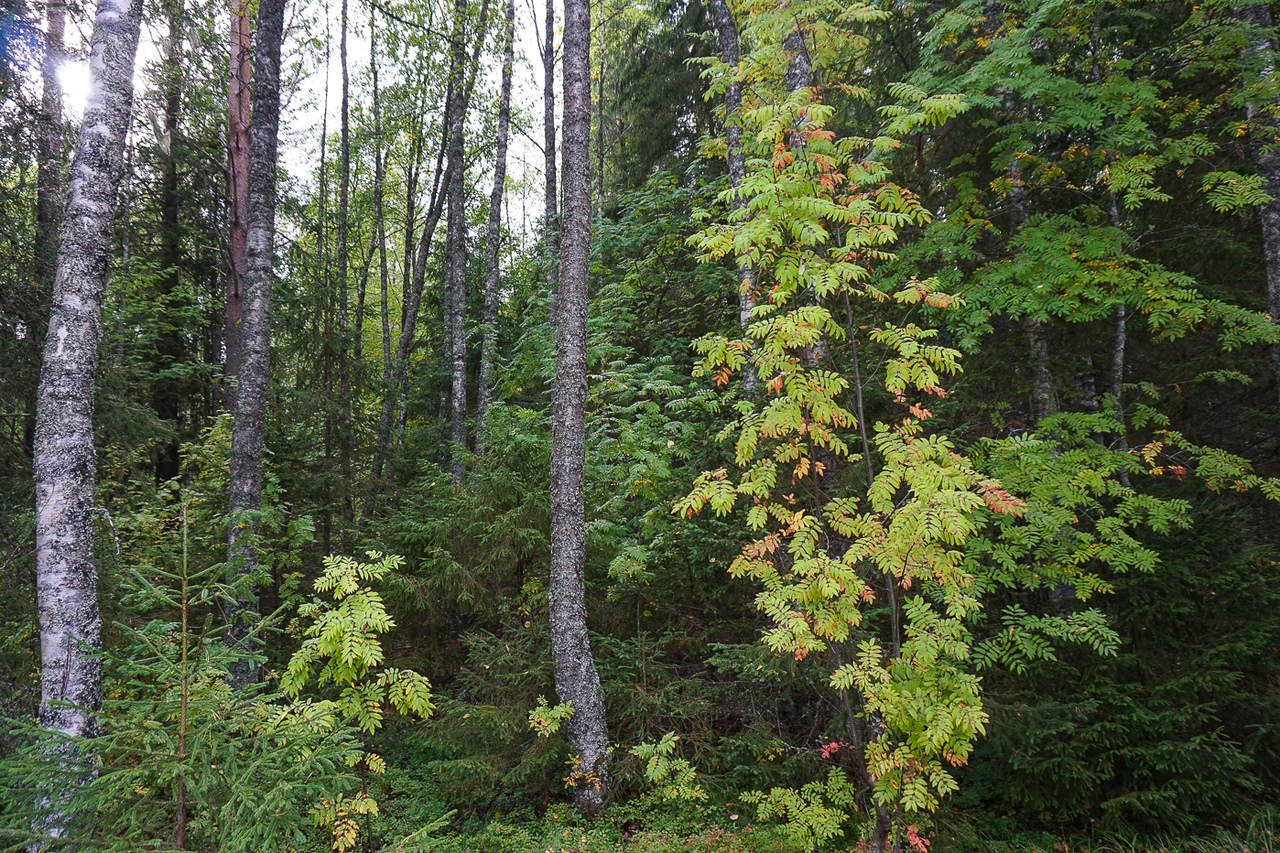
pixel 576 678
pixel 551 203
pixel 238 180
pixel 49 183
pixel 456 274
pixel 66 576
pixel 250 408
pixel 345 444
pixel 396 398
pixel 489 325
pixel 1266 160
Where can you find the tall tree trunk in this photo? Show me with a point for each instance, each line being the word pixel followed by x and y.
pixel 397 397
pixel 250 412
pixel 238 95
pixel 726 28
pixel 456 305
pixel 1041 378
pixel 379 207
pixel 551 203
pixel 169 394
pixel 390 360
pixel 600 123
pixel 576 678
pixel 1120 341
pixel 455 283
pixel 66 576
pixel 394 398
pixel 322 198
pixel 49 184
pixel 489 325
pixel 1266 160
pixel 344 266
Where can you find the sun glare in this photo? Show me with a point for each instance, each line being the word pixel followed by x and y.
pixel 73 78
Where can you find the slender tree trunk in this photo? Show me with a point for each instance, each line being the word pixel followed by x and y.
pixel 576 678
pixel 456 305
pixel 322 201
pixel 169 394
pixel 250 412
pixel 551 203
pixel 344 265
pixel 456 276
pixel 1041 377
pixel 394 398
pixel 379 207
pixel 489 340
pixel 600 124
pixel 390 360
pixel 1266 160
pixel 66 576
pixel 1118 351
pixel 799 74
pixel 238 95
pixel 397 398
pixel 726 28
pixel 49 183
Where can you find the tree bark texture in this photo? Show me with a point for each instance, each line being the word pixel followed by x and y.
pixel 1041 377
pixel 551 198
pixel 455 284
pixel 49 183
pixel 396 397
pixel 489 324
pixel 251 390
pixel 1265 139
pixel 576 678
pixel 238 94
pixel 380 214
pixel 722 21
pixel 66 576
pixel 345 439
pixel 169 396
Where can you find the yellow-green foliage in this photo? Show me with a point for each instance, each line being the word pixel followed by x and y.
pixel 341 647
pixel 674 777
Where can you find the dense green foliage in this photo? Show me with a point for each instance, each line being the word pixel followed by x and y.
pixel 966 536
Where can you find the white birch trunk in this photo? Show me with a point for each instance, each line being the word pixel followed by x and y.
pixel 489 339
pixel 66 576
pixel 250 410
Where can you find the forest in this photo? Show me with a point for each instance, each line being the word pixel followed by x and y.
pixel 737 426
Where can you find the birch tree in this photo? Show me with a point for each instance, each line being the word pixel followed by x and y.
pixel 49 187
pixel 1266 159
pixel 455 275
pixel 250 407
pixel 551 215
pixel 66 575
pixel 238 179
pixel 489 340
